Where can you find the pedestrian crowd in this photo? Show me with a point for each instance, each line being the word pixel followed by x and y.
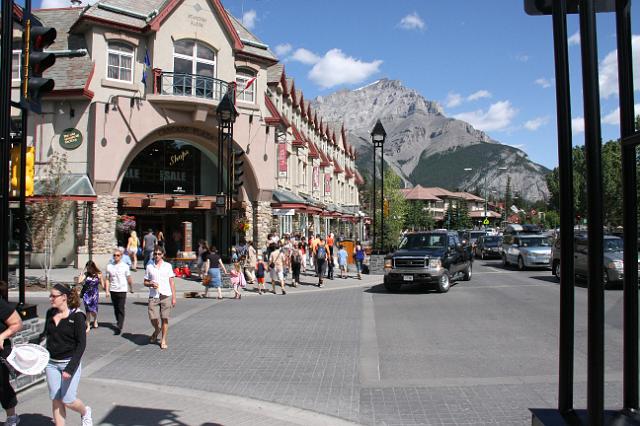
pixel 64 338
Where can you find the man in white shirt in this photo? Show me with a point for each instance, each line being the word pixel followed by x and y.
pixel 162 295
pixel 118 280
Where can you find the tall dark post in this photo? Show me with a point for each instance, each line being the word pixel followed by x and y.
pixel 227 114
pixel 565 162
pixel 5 133
pixel 378 134
pixel 629 206
pixel 593 155
pixel 219 189
pixel 383 203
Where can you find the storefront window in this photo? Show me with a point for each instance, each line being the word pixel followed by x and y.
pixel 171 167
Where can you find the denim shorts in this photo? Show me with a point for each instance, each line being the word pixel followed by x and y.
pixel 66 390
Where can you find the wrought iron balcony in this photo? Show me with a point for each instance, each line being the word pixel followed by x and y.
pixel 190 85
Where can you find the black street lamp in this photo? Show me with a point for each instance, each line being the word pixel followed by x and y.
pixel 226 113
pixel 378 135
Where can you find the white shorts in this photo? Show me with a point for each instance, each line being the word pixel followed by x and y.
pixel 276 275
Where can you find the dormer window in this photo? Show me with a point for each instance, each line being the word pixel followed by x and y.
pixel 246 85
pixel 120 62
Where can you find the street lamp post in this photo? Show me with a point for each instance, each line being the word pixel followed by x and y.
pixel 378 135
pixel 226 113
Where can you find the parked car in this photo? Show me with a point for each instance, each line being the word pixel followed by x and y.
pixel 489 246
pixel 526 251
pixel 613 259
pixel 433 258
pixel 472 239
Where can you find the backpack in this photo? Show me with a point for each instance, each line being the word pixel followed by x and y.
pixel 321 253
pixel 297 257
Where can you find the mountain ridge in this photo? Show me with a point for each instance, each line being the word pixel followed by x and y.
pixel 418 132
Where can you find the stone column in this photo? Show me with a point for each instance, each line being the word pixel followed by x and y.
pixel 262 222
pixel 103 234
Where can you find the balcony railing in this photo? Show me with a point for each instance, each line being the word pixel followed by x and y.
pixel 191 85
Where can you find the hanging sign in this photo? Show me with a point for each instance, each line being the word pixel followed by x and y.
pixel 282 160
pixel 485 222
pixel 315 180
pixel 327 183
pixel 70 139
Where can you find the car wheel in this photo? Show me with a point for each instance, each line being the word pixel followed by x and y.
pixel 556 270
pixel 521 266
pixel 468 272
pixel 444 283
pixel 392 287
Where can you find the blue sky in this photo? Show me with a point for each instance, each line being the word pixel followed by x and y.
pixel 485 62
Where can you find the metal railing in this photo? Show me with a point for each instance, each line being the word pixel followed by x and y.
pixel 192 85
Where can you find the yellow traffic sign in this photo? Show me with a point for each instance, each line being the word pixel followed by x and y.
pixel 485 222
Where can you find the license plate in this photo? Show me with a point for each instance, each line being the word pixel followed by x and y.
pixel 408 277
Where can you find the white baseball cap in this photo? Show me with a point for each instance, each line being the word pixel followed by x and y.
pixel 28 358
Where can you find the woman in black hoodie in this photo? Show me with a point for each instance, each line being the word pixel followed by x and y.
pixel 66 340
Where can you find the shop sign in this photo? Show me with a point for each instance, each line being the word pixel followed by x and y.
pixel 315 178
pixel 70 139
pixel 327 183
pixel 284 212
pixel 282 160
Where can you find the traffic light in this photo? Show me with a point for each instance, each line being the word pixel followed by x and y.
pixel 238 171
pixel 35 61
pixel 30 169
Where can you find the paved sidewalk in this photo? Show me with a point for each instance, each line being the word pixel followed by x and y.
pixel 188 285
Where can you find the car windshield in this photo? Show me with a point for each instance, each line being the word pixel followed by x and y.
pixel 613 244
pixel 491 241
pixel 535 242
pixel 424 241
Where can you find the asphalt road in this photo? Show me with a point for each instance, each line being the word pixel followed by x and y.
pixel 483 353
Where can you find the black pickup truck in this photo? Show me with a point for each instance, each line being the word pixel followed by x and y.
pixel 432 257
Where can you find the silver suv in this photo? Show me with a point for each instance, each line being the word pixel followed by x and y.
pixel 526 251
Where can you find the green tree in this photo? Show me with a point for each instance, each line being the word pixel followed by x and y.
pixel 464 220
pixel 418 216
pixel 397 208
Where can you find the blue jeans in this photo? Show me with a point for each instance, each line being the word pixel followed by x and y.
pixel 65 390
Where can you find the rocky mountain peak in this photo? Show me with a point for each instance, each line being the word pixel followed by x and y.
pixel 418 133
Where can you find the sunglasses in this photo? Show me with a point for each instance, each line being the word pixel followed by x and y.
pixel 117 255
pixel 54 296
pixel 157 254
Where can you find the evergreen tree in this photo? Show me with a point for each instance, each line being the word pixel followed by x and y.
pixel 397 208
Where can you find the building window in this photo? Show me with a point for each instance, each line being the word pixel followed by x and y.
pixel 120 62
pixel 246 86
pixel 16 62
pixel 194 68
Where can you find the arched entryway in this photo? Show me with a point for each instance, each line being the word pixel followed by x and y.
pixel 170 186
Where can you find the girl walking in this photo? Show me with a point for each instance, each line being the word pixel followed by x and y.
pixel 261 269
pixel 296 264
pixel 213 266
pixel 66 341
pixel 132 249
pixel 237 280
pixel 91 282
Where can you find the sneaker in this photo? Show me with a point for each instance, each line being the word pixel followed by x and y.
pixel 12 420
pixel 86 419
pixel 284 292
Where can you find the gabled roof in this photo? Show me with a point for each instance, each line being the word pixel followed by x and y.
pixel 324 159
pixel 275 118
pixel 302 105
pixel 274 73
pixel 298 98
pixel 336 167
pixel 292 90
pixel 468 196
pixel 298 139
pixel 432 193
pixel 358 177
pixel 348 173
pixel 343 133
pixel 313 150
pixel 69 73
pixel 250 43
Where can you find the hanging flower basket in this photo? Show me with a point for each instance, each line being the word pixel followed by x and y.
pixel 125 223
pixel 241 225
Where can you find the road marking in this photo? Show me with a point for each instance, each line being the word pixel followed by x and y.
pixel 369 365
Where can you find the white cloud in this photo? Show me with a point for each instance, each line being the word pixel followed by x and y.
pixel 51 4
pixel 536 123
pixel 577 125
pixel 412 22
pixel 305 56
pixel 497 117
pixel 283 49
pixel 543 82
pixel 608 70
pixel 479 95
pixel 453 100
pixel 335 68
pixel 249 19
pixel 613 117
pixel 574 39
pixel 521 57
